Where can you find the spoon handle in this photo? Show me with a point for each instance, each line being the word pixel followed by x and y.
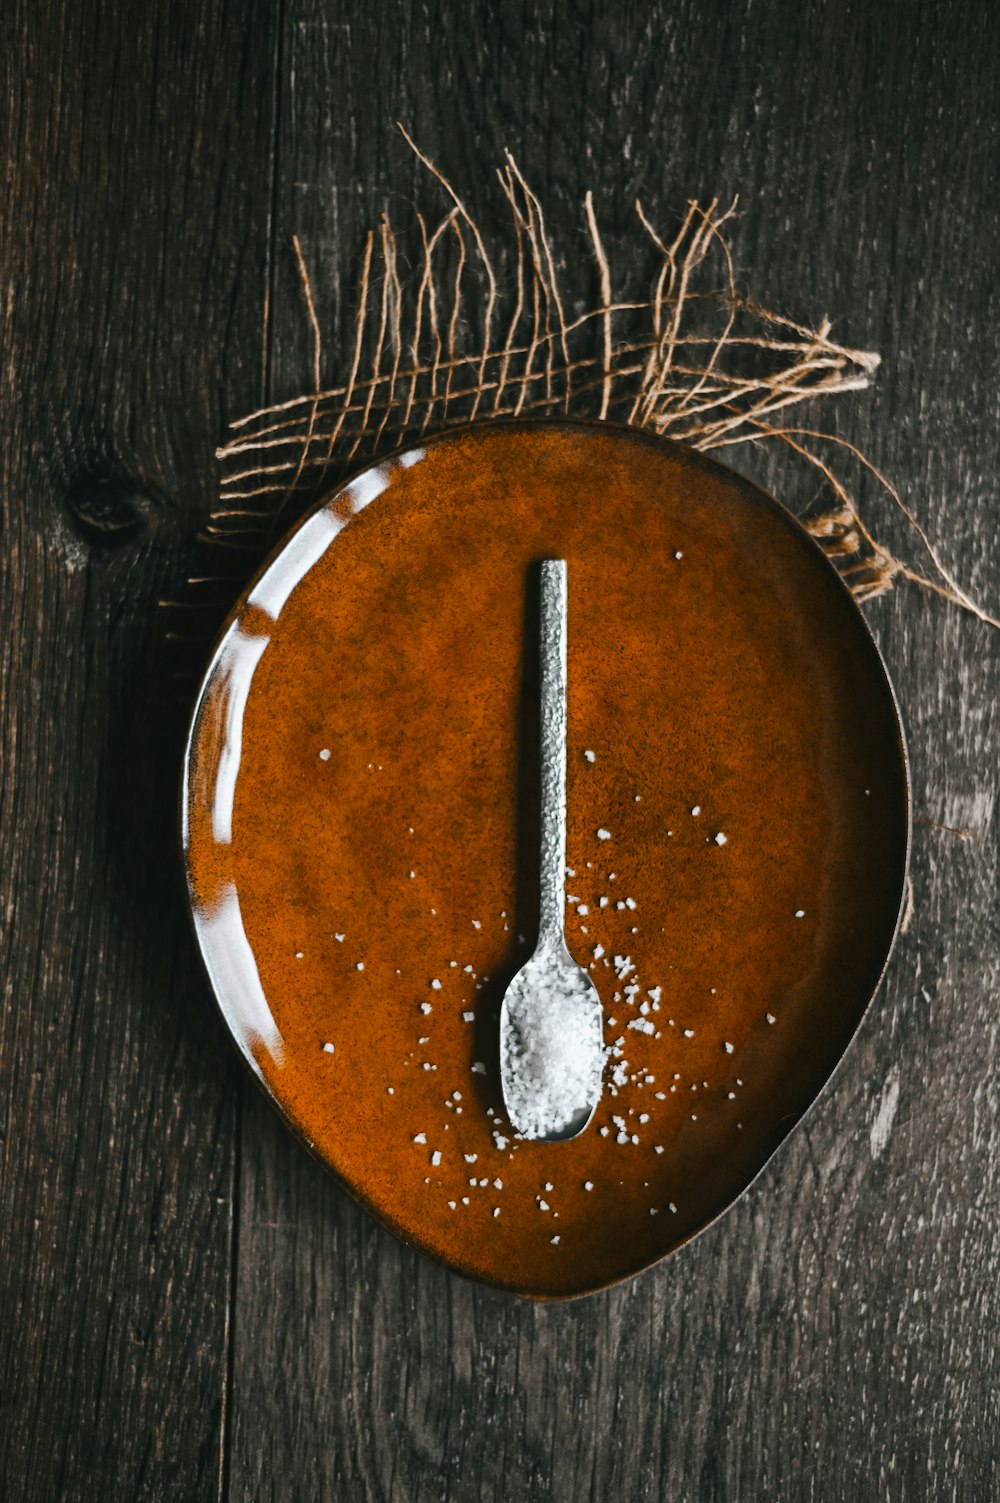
pixel 552 869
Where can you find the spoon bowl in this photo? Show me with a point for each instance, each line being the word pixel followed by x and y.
pixel 551 1047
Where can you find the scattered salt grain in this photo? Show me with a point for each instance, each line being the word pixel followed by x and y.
pixel 436 1157
pixel 498 1184
pixel 468 1017
pixel 770 1017
pixel 658 1148
pixel 425 1007
pixel 583 910
pixel 420 1137
pixel 339 938
pixel 728 1047
pixel 327 1048
pixel 720 839
pixel 478 1067
pixel 435 986
pixel 496 1210
pixel 555 1241
pixel 800 913
pixel 696 810
pixel 689 1033
pixel 543 1205
pixel 324 755
pixel 360 966
pixel 604 834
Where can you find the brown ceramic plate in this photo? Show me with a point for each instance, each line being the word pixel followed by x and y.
pixel 359 829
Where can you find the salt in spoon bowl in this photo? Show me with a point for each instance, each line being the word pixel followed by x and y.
pixel 551 1020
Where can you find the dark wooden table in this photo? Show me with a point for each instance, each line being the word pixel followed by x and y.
pixel 189 1307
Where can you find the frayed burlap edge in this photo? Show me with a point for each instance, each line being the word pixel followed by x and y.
pixel 466 336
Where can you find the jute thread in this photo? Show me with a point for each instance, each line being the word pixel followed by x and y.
pixel 464 336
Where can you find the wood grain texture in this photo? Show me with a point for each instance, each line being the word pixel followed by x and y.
pixel 834 1336
pixel 134 252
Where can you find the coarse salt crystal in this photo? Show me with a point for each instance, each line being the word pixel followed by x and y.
pixel 468 1017
pixel 658 1148
pixel 324 755
pixel 604 834
pixel 554 1241
pixel 436 1157
pixel 583 910
pixel 339 938
pixel 425 1007
pixel 689 1033
pixel 696 810
pixel 360 966
pixel 327 1048
pixel 435 986
pixel 420 1137
pixel 800 913
pixel 728 1047
pixel 589 756
pixel 770 1017
pixel 553 1054
pixel 470 1158
pixel 543 1205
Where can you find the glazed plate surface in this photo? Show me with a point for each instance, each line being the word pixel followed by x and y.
pixel 360 811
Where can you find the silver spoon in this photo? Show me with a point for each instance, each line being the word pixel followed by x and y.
pixel 551 1020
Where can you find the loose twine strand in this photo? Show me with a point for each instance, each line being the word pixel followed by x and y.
pixel 456 341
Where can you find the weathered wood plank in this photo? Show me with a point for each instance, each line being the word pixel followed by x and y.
pixel 136 147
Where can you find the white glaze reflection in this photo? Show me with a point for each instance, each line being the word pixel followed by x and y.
pixel 305 549
pixel 234 670
pixel 234 975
